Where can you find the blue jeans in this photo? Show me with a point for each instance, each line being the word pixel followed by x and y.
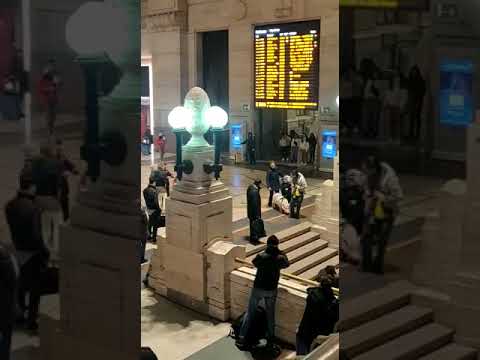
pixel 145 149
pixel 256 296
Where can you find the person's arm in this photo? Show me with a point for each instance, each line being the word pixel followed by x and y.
pixel 257 261
pixel 284 263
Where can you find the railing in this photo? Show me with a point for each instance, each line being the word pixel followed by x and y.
pixel 336 291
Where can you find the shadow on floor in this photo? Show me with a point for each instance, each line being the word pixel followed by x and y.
pixel 26 353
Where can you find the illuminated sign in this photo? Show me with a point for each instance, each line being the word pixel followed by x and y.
pixel 287 65
pixel 329 144
pixel 236 136
pixel 456 92
pixel 392 4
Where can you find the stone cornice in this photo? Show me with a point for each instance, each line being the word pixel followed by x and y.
pixel 163 21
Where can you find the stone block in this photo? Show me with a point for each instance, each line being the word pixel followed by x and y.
pixel 185 272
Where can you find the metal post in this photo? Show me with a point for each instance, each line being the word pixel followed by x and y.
pixel 178 163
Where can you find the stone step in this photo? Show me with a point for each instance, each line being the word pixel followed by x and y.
pixel 412 345
pixel 284 235
pixel 379 331
pixel 307 249
pixel 311 261
pixel 452 352
pixel 374 304
pixel 298 243
pixel 312 274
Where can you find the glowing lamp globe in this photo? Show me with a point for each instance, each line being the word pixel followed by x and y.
pixel 180 118
pixel 217 117
pixel 84 30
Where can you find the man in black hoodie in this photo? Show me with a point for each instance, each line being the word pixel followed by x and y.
pixel 320 316
pixel 254 211
pixel 268 264
pixel 150 194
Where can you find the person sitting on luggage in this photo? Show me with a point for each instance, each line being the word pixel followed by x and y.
pixel 320 315
pixel 24 220
pixel 150 194
pixel 273 181
pixel 299 185
pixel 286 188
pixel 268 264
pixel 254 211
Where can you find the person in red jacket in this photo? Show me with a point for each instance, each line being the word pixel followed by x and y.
pixel 48 92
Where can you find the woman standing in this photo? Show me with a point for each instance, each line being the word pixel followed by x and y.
pixel 303 150
pixel 312 146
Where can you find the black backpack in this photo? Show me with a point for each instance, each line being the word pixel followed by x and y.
pixel 258 327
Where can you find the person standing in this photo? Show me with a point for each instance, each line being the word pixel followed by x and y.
pixel 284 147
pixel 147 141
pixel 250 142
pixel 320 315
pixel 48 92
pixel 269 264
pixel 254 211
pixel 294 151
pixel 67 168
pixel 394 103
pixel 162 143
pixel 150 195
pixel 416 94
pixel 299 185
pixel 8 288
pixel 24 221
pixel 312 147
pixel 273 181
pixel 303 149
pixel 383 194
pixel 286 188
pixel 371 97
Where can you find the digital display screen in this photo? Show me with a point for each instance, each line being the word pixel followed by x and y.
pixel 329 144
pixel 236 136
pixel 393 4
pixel 287 65
pixel 456 92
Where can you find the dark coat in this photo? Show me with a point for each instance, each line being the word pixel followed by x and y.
pixel 47 176
pixel 23 217
pixel 8 286
pixel 268 264
pixel 321 314
pixel 254 203
pixel 150 194
pixel 250 143
pixel 160 177
pixel 273 179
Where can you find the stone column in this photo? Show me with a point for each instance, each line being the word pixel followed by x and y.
pixel 99 249
pixel 465 289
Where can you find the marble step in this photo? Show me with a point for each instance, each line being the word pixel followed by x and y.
pixel 284 235
pixel 412 345
pixel 294 245
pixel 306 249
pixel 452 352
pixel 379 331
pixel 311 261
pixel 312 274
pixel 374 304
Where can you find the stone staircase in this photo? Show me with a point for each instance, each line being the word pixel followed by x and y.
pixel 385 324
pixel 306 251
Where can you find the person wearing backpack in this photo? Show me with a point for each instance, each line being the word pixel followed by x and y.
pixel 268 264
pixel 320 316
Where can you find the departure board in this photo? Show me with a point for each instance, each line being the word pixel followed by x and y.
pixel 287 65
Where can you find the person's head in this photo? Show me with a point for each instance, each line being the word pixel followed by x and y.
pixel 294 174
pixel 151 181
pixel 273 165
pixel 50 67
pixel 59 147
pixel 330 270
pixel 272 241
pixel 46 150
pixel 257 182
pixel 415 72
pixel 250 134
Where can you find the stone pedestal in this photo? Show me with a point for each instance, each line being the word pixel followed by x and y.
pixel 326 215
pixel 465 288
pixel 441 240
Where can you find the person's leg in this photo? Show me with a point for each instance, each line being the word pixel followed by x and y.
pixel 366 243
pixel 385 229
pixel 270 197
pixel 6 341
pixel 156 224
pixel 255 298
pixel 35 270
pixel 302 345
pixel 270 302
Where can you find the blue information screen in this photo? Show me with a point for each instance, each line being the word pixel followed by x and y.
pixel 329 144
pixel 456 92
pixel 236 136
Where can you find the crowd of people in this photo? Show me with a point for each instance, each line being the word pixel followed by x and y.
pixel 159 143
pixel 258 322
pixel 286 194
pixel 381 106
pixel 34 216
pixel 369 206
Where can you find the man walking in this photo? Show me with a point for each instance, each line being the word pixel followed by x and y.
pixel 268 264
pixel 254 212
pixel 250 142
pixel 150 194
pixel 273 181
pixel 299 185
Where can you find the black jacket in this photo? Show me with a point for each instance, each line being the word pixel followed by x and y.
pixel 160 177
pixel 254 203
pixel 46 174
pixel 321 314
pixel 23 217
pixel 273 179
pixel 150 194
pixel 268 264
